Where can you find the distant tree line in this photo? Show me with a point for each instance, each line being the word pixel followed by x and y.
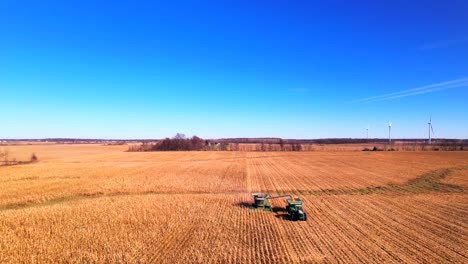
pixel 447 146
pixel 178 143
pixel 181 143
pixel 325 141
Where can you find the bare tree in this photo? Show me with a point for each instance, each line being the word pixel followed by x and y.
pixel 296 147
pixel 281 142
pixel 34 157
pixel 234 146
pixel 196 143
pixel 180 136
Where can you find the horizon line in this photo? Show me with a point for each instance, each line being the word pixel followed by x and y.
pixel 140 139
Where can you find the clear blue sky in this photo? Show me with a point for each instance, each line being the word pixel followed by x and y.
pixel 291 69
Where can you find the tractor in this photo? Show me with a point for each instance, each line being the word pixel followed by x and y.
pixel 293 207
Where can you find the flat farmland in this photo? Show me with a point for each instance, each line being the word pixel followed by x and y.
pixel 93 203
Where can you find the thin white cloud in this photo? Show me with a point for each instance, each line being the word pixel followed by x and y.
pixel 443 44
pixel 463 82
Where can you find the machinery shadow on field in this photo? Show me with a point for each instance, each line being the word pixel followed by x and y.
pixel 280 212
pixel 244 205
pixel 250 205
pixel 283 216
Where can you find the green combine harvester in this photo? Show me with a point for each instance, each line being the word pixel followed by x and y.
pixel 293 207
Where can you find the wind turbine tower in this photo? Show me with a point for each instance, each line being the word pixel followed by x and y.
pixel 367 131
pixel 430 129
pixel 389 132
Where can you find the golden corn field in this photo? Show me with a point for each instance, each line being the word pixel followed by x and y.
pixel 93 203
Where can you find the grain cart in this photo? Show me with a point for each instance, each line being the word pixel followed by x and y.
pixel 293 207
pixel 260 200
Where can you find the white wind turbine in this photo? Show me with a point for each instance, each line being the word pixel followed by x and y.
pixel 430 129
pixel 390 132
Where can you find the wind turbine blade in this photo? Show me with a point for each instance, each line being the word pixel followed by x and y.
pixel 432 129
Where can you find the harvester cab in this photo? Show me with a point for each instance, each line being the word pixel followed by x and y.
pixel 293 207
